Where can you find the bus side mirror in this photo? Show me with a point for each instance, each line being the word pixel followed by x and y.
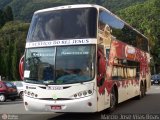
pixel 21 67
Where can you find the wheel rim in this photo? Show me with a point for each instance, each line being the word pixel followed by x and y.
pixel 2 98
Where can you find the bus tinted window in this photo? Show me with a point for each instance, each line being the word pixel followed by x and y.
pixel 123 32
pixel 60 65
pixel 125 69
pixel 75 64
pixel 63 24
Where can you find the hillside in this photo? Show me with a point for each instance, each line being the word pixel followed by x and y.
pixel 24 9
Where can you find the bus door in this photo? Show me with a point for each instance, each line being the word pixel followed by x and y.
pixel 101 77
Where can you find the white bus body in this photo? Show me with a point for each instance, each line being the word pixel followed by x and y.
pixel 112 71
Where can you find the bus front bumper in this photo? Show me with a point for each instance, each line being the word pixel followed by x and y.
pixel 86 104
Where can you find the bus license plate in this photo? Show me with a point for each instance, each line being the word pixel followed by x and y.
pixel 57 107
pixel 55 87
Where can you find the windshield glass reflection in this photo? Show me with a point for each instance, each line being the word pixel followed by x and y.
pixel 72 64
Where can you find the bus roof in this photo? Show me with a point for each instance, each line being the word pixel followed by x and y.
pixel 84 6
pixel 68 7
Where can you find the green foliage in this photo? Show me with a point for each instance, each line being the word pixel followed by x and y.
pixel 116 5
pixel 8 14
pixel 2 18
pixel 12 44
pixel 24 10
pixel 4 3
pixel 145 17
pixel 29 9
pixel 15 61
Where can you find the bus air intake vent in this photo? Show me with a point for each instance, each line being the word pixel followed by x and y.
pixel 51 99
pixel 63 87
pixel 42 87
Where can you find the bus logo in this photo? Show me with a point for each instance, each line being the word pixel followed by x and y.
pixel 130 52
pixel 54 96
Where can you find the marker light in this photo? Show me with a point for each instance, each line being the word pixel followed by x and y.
pixel 36 95
pixel 89 91
pixel 79 94
pixel 83 94
pixel 30 94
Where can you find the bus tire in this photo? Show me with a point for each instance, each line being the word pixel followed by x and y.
pixel 142 92
pixel 113 101
pixel 145 88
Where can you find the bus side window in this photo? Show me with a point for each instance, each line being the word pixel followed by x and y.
pixel 115 73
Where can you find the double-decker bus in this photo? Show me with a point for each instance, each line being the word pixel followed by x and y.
pixel 83 58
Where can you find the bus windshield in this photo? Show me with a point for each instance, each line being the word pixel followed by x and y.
pixel 63 24
pixel 60 65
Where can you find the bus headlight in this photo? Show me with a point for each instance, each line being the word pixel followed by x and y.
pixel 82 94
pixel 30 94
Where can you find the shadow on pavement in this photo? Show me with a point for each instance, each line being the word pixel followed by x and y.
pixel 78 116
pixel 7 102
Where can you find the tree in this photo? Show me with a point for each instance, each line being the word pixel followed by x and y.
pixel 12 44
pixel 2 18
pixel 15 61
pixel 8 14
pixel 145 18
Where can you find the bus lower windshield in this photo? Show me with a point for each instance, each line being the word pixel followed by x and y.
pixel 60 65
pixel 63 24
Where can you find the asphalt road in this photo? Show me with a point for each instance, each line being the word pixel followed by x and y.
pixel 146 108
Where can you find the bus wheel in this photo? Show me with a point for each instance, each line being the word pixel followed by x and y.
pixel 113 101
pixel 142 92
pixel 145 90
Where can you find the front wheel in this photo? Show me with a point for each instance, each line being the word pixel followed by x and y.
pixel 113 101
pixel 2 98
